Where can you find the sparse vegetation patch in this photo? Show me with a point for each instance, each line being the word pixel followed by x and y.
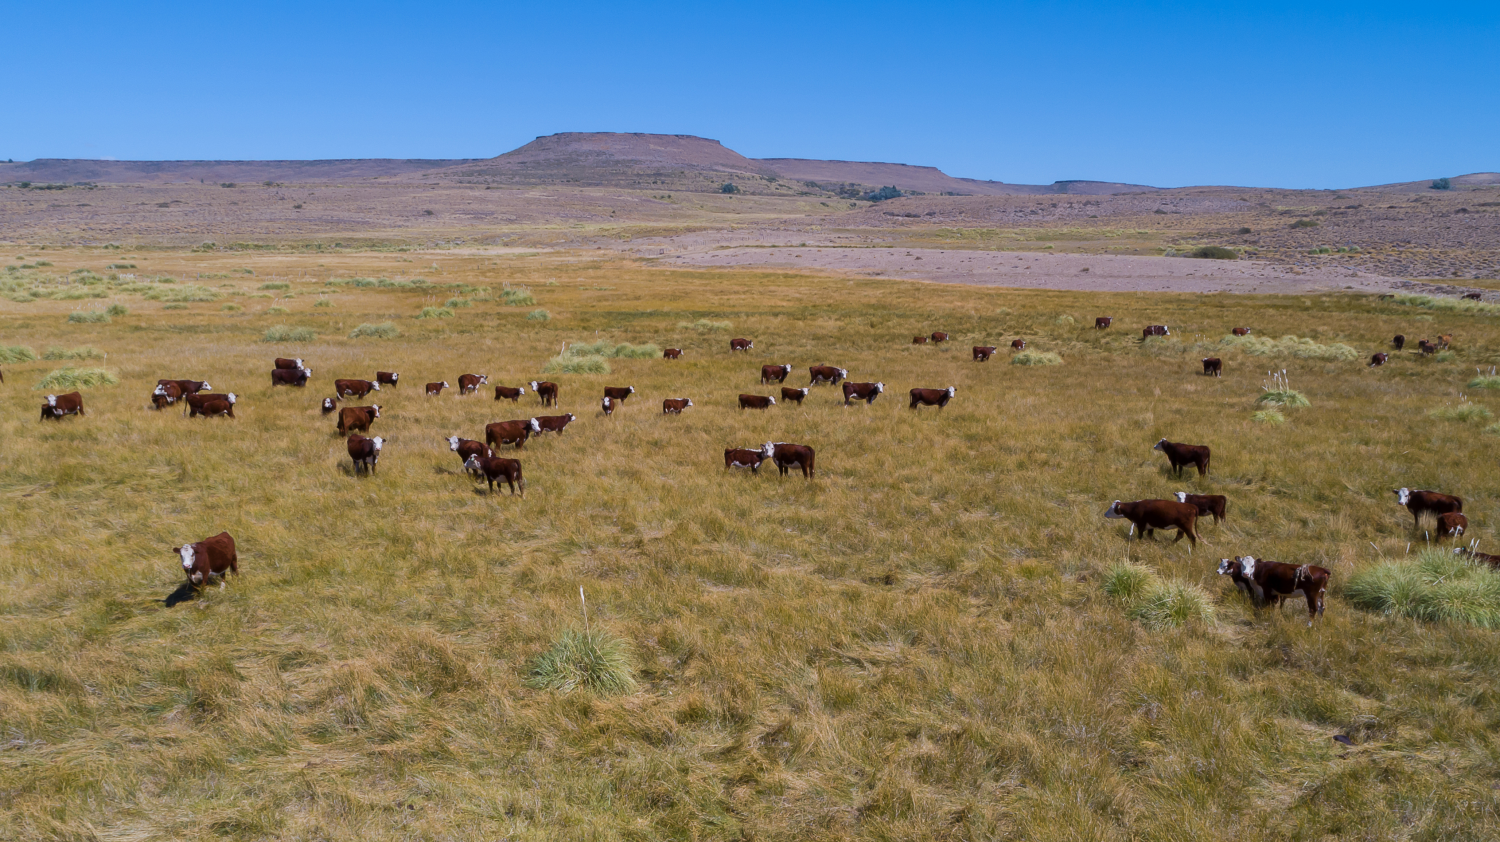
pixel 1435 587
pixel 383 330
pixel 76 378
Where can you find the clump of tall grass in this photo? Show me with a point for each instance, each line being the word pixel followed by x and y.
pixel 566 363
pixel 1436 586
pixel 1450 305
pixel 231 307
pixel 590 660
pixel 1036 358
pixel 324 302
pixel 517 297
pixel 10 354
pixel 1268 416
pixel 1065 320
pixel 705 326
pixel 539 316
pixel 1446 356
pixel 117 310
pixel 174 307
pixel 182 294
pixel 1302 348
pixel 283 333
pixel 384 330
pixel 76 378
pixel 1214 253
pixel 1127 581
pixel 1278 391
pixel 435 313
pixel 88 317
pixel 276 311
pixel 1155 602
pixel 615 350
pixel 1463 411
pixel 275 285
pixel 456 303
pixel 81 353
pixel 1485 381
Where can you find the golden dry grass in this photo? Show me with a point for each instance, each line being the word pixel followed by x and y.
pixel 915 645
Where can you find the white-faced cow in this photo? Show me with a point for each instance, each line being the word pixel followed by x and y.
pixel 939 336
pixel 1018 345
pixel 672 354
pixel 1154 330
pixel 547 391
pixel 354 388
pixel 495 469
pixel 193 405
pixel 511 432
pixel 329 405
pixel 741 458
pixel 608 405
pixel 1181 455
pixel 793 395
pixel 189 387
pixel 982 353
pixel 553 423
pixel 290 377
pixel 353 418
pixel 1270 582
pixel 1427 503
pixel 56 406
pixel 740 344
pixel 1475 555
pixel 468 384
pixel 1146 516
pixel 826 374
pixel 866 392
pixel 436 388
pixel 619 393
pixel 1213 367
pixel 165 395
pixel 211 558
pixel 289 364
pixel 1378 359
pixel 920 340
pixel 1208 504
pixel 756 401
pixel 510 393
pixel 774 373
pixel 1103 322
pixel 931 397
pixel 1241 331
pixel 786 455
pixel 389 378
pixel 365 452
pixel 216 407
pixel 468 447
pixel 675 406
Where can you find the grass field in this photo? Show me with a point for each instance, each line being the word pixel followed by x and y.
pixel 915 645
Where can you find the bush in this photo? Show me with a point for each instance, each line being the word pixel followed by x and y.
pixel 1465 411
pixel 76 378
pixel 1437 587
pixel 83 353
pixel 594 661
pixel 117 310
pixel 1036 358
pixel 1290 346
pixel 435 313
pixel 1243 231
pixel 275 285
pixel 1268 416
pixel 539 316
pixel 517 297
pixel 884 193
pixel 1305 223
pixel 283 333
pixel 10 354
pixel 1441 184
pixel 88 317
pixel 384 330
pixel 729 187
pixel 1214 253
pixel 705 326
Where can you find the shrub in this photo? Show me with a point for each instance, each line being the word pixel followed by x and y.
pixel 1269 416
pixel 275 311
pixel 705 326
pixel 1301 348
pixel 82 353
pixel 384 330
pixel 275 284
pixel 1214 253
pixel 120 266
pixel 566 363
pixel 1036 358
pixel 231 307
pixel 76 378
pixel 1243 231
pixel 455 303
pixel 1465 411
pixel 539 316
pixel 10 354
pixel 517 297
pixel 324 302
pixel 174 307
pixel 90 317
pixel 1128 582
pixel 1436 586
pixel 884 193
pixel 1441 184
pixel 1167 605
pixel 729 187
pixel 1305 223
pixel 117 310
pixel 594 661
pixel 284 333
pixel 435 313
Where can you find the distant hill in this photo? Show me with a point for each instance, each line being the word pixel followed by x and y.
pixel 69 171
pixel 614 160
pixel 1472 180
pixel 929 179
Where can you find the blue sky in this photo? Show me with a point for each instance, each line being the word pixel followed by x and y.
pixel 1308 94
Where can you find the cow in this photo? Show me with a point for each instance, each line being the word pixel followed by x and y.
pixel 1427 348
pixel 672 354
pixel 1150 515
pixel 188 387
pixel 866 392
pixel 1427 502
pixel 357 418
pixel 1399 342
pixel 511 432
pixel 919 340
pixel 793 395
pixel 982 353
pixel 608 405
pixel 494 469
pixel 217 406
pixel 1208 504
pixel 365 452
pixel 436 388
pixel 553 423
pixel 354 388
pixel 756 401
pixel 1452 525
pixel 1213 367
pixel 165 394
pixel 468 447
pixel 826 374
pixel 1472 296
pixel 618 393
pixel 1378 360
pixel 547 391
pixel 56 406
pixel 511 393
pixel 786 455
pixel 1270 582
pixel 1103 322
pixel 389 378
pixel 740 345
pixel 1444 340
pixel 290 377
pixel 1241 331
pixel 774 373
pixel 1185 454
pixel 931 397
pixel 675 406
pixel 288 365
pixel 470 383
pixel 1475 555
pixel 193 404
pixel 939 336
pixel 1018 345
pixel 209 558
pixel 329 405
pixel 740 458
pixel 1154 330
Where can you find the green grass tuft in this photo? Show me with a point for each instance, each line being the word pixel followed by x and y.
pixel 1268 416
pixel 539 316
pixel 117 310
pixel 1462 412
pixel 384 330
pixel 595 661
pixel 1214 253
pixel 324 302
pixel 456 303
pixel 76 378
pixel 88 317
pixel 1484 381
pixel 82 353
pixel 182 294
pixel 1435 586
pixel 231 307
pixel 1127 581
pixel 615 350
pixel 517 297
pixel 1036 358
pixel 174 307
pixel 1448 305
pixel 283 333
pixel 435 313
pixel 276 311
pixel 705 326
pixel 1167 605
pixel 1282 397
pixel 275 285
pixel 1301 348
pixel 10 354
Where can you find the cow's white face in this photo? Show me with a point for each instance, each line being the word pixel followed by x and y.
pixel 453 443
pixel 843 372
pixel 1181 496
pixel 1403 495
pixel 328 403
pixel 395 376
pixel 786 368
pixel 298 361
pixel 378 442
pixel 768 449
pixel 1247 565
pixel 306 372
pixel 803 390
pixel 377 410
pixel 1114 510
pixel 570 417
pixel 951 391
pixel 445 385
pixel 772 400
pixel 160 390
pixel 533 384
pixel 206 388
pixel 188 558
pixel 52 400
pixel 472 463
pixel 690 402
pixel 521 390
pixel 232 398
pixel 536 426
pixel 1159 445
pixel 376 385
pixel 1225 565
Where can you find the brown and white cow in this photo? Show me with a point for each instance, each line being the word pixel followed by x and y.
pixel 608 405
pixel 510 393
pixel 756 401
pixel 1154 330
pixel 357 418
pixel 193 404
pixel 741 458
pixel 1150 515
pixel 1103 322
pixel 1445 340
pixel 786 455
pixel 495 469
pixel 826 374
pixel 329 405
pixel 774 373
pixel 1213 367
pixel 547 391
pixel 288 365
pixel 1208 504
pixel 210 558
pixel 511 432
pixel 389 378
pixel 189 387
pixel 1427 348
pixel 1270 582
pixel 468 384
pixel 365 452
pixel 939 336
pixel 1474 554
pixel 793 395
pixel 675 406
pixel 1180 455
pixel 290 377
pixel 1018 345
pixel 468 447
pixel 1399 342
pixel 619 393
pixel 931 397
pixel 354 388
pixel 1378 359
pixel 740 344
pixel 56 406
pixel 1427 503
pixel 866 392
pixel 672 354
pixel 1241 331
pixel 982 353
pixel 919 340
pixel 436 388
pixel 1452 525
pixel 165 395
pixel 1472 296
pixel 553 423
pixel 217 406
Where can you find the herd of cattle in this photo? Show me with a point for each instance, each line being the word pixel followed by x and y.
pixel 1265 582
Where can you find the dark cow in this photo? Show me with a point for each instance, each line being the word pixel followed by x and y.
pixel 56 406
pixel 1208 504
pixel 672 354
pixel 1378 359
pixel 468 384
pixel 188 387
pixel 290 377
pixel 354 388
pixel 553 423
pixel 365 452
pixel 1185 454
pixel 740 345
pixel 217 406
pixel 1018 345
pixel 494 469
pixel 329 405
pixel 866 392
pixel 436 388
pixel 1452 525
pixel 288 365
pixel 793 395
pixel 1399 342
pixel 468 447
pixel 608 405
pixel 740 458
pixel 1476 555
pixel 165 394
pixel 547 391
pixel 774 373
pixel 756 401
pixel 1213 366
pixel 1427 348
pixel 786 455
pixel 931 397
pixel 1103 322
pixel 826 374
pixel 982 353
pixel 1241 331
pixel 1150 515
pixel 209 558
pixel 1472 296
pixel 919 340
pixel 675 406
pixel 357 418
pixel 389 378
pixel 193 404
pixel 1427 503
pixel 1154 330
pixel 511 393
pixel 618 393
pixel 511 432
pixel 939 336
pixel 1270 582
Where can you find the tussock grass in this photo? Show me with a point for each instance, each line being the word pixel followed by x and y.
pixel 517 297
pixel 456 303
pixel 1435 586
pixel 286 333
pixel 1036 358
pixel 1484 381
pixel 230 307
pixel 182 294
pixel 615 350
pixel 1301 348
pixel 77 378
pixel 1464 411
pixel 383 330
pixel 174 306
pixel 1448 305
pixel 1128 582
pixel 117 310
pixel 1214 253
pixel 1168 605
pixel 275 285
pixel 88 317
pixel 575 364
pixel 539 316
pixel 84 352
pixel 591 660
pixel 705 326
pixel 1268 416
pixel 276 311
pixel 324 302
pixel 435 313
pixel 12 354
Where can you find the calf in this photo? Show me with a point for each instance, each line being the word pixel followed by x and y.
pixel 931 397
pixel 365 452
pixel 675 406
pixel 165 394
pixel 511 432
pixel 188 387
pixel 740 345
pixel 1018 345
pixel 1185 454
pixel 466 448
pixel 1378 359
pixel 1472 296
pixel 608 405
pixel 329 405
pixel 1399 342
pixel 1270 582
pixel 470 383
pixel 547 391
pixel 672 354
pixel 939 336
pixel 56 406
pixel 866 392
pixel 217 406
pixel 288 365
pixel 1491 560
pixel 826 374
pixel 1426 347
pixel 1452 525
pixel 511 393
pixel 193 404
pixel 1444 340
pixel 1241 331
pixel 919 340
pixel 786 455
pixel 1427 502
pixel 1154 330
pixel 618 393
pixel 982 353
pixel 774 373
pixel 740 458
pixel 1150 515
pixel 756 401
pixel 354 388
pixel 436 388
pixel 389 378
pixel 553 423
pixel 794 395
pixel 290 377
pixel 1103 322
pixel 1208 504
pixel 1213 366
pixel 494 469
pixel 211 557
pixel 353 418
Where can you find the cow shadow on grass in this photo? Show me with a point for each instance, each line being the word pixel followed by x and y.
pixel 184 592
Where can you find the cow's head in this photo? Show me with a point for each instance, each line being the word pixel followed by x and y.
pixel 378 442
pixel 1227 566
pixel 1181 496
pixel 786 368
pixel 772 400
pixel 376 407
pixel 445 385
pixel 1247 565
pixel 803 390
pixel 328 403
pixel 1114 510
pixel 160 390
pixel 1161 445
pixel 689 401
pixel 298 361
pixel 1206 359
pixel 472 463
pixel 306 373
pixel 767 449
pixel 395 376
pixel 232 398
pixel 204 387
pixel 189 558
pixel 52 400
pixel 879 387
pixel 951 391
pixel 376 385
pixel 607 401
pixel 533 385
pixel 629 390
pixel 1403 495
pixel 843 372
pixel 536 427
pixel 453 442
pixel 570 417
pixel 521 390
